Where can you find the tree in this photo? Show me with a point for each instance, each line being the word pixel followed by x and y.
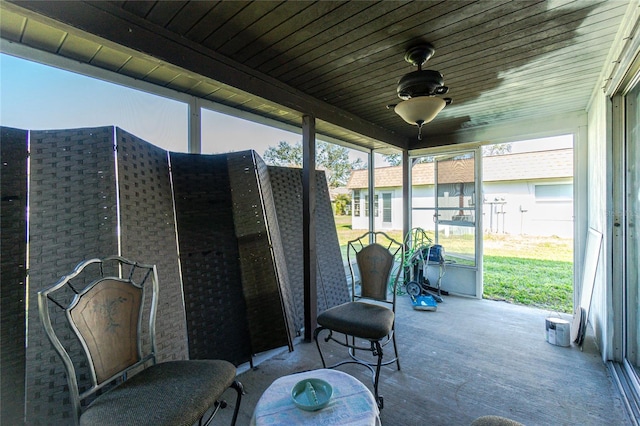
pixel 393 159
pixel 342 203
pixel 396 159
pixel 284 155
pixel 334 159
pixel 496 149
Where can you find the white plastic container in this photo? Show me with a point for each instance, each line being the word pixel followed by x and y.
pixel 557 331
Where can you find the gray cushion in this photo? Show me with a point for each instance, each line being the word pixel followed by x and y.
pixel 170 393
pixel 358 319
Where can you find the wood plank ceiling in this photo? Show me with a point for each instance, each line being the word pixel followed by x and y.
pixel 503 61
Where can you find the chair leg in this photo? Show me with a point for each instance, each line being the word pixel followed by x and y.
pixel 395 349
pixel 239 390
pixel 378 352
pixel 315 337
pixel 376 349
pixel 222 404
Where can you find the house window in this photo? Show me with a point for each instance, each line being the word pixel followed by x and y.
pixel 386 207
pixel 562 192
pixel 375 205
pixel 356 203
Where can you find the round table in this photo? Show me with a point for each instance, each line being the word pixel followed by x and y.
pixel 352 403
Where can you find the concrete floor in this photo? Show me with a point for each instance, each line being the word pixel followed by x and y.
pixel 468 359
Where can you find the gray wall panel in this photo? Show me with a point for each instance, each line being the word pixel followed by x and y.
pixel 13 251
pixel 73 218
pixel 330 277
pixel 215 306
pixel 148 233
pixel 264 276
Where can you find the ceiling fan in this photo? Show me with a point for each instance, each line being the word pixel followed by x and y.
pixel 418 90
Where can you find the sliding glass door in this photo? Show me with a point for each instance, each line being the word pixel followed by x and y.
pixel 631 223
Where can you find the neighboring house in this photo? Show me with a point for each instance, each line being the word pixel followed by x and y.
pixel 526 193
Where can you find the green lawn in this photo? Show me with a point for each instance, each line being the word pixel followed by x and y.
pixel 546 284
pixel 535 271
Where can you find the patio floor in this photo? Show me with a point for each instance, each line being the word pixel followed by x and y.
pixel 468 359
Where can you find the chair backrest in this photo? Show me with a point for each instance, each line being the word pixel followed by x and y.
pixel 378 259
pixel 103 301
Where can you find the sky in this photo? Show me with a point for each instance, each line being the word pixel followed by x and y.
pixel 39 97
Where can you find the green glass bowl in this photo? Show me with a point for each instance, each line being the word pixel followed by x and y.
pixel 311 394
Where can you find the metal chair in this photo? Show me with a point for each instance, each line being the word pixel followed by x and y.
pixel 106 304
pixel 376 256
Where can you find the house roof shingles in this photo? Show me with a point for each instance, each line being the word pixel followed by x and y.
pixel 521 166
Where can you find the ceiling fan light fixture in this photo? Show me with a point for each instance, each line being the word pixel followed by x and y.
pixel 418 89
pixel 420 110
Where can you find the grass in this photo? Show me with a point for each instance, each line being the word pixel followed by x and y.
pixel 546 284
pixel 345 233
pixel 534 271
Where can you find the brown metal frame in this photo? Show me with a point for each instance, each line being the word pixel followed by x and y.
pixel 128 271
pixel 396 249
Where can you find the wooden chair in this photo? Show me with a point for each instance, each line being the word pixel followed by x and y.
pixel 376 257
pixel 106 303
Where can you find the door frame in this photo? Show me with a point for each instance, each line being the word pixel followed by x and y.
pixel 477 269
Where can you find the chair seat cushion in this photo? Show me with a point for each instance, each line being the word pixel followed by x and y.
pixel 170 393
pixel 358 319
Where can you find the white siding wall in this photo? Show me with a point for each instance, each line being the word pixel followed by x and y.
pixel 521 213
pixel 362 221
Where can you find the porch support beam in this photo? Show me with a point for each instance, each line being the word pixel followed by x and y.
pixel 406 193
pixel 309 225
pixel 371 192
pixel 195 126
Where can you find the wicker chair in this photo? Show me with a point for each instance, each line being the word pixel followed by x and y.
pixel 107 314
pixel 376 255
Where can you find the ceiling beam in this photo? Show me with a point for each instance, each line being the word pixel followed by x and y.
pixel 511 131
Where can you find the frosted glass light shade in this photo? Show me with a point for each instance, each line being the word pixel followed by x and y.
pixel 420 110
